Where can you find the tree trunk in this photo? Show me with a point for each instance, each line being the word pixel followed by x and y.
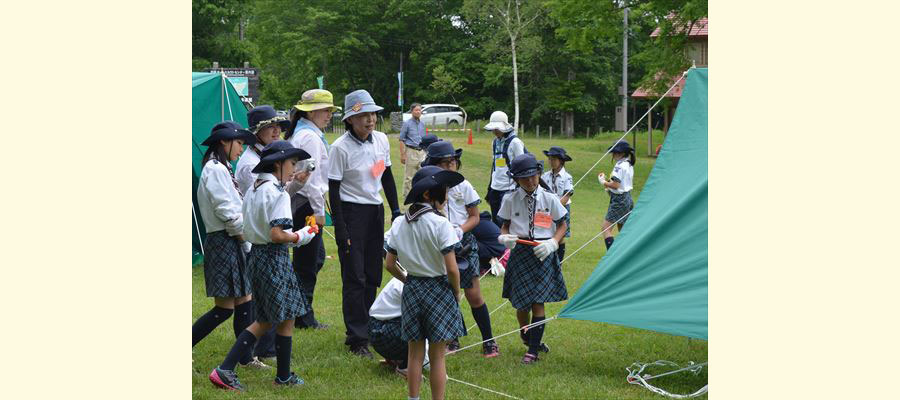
pixel 515 81
pixel 569 123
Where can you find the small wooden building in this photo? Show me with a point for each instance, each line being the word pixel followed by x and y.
pixel 698 53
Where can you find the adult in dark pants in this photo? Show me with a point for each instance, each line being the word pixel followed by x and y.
pixel 308 117
pixel 506 147
pixel 359 168
pixel 486 233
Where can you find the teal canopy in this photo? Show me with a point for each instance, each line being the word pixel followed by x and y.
pixel 655 275
pixel 214 100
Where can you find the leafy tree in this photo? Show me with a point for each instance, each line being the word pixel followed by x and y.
pixel 216 31
pixel 512 19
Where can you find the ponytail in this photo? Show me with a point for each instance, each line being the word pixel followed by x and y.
pixel 631 157
pixel 217 152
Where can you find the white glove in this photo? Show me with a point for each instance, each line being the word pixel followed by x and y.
pixel 246 246
pixel 602 179
pixel 545 248
pixel 508 240
pixel 459 232
pixel 305 236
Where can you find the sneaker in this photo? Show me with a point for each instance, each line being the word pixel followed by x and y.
pixel 255 363
pixel 529 358
pixel 292 380
pixel 362 351
pixel 453 345
pixel 225 379
pixel 490 349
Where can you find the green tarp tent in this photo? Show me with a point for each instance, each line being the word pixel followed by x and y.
pixel 655 275
pixel 214 100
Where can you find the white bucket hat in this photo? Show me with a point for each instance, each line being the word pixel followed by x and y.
pixel 500 121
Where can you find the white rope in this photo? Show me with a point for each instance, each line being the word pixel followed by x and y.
pixel 635 378
pixel 227 100
pixel 626 132
pixel 483 388
pixel 491 313
pixel 526 327
pixel 329 233
pixel 199 236
pixel 595 237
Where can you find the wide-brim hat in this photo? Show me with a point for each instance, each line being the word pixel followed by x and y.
pixel 620 147
pixel 440 150
pixel 316 99
pixel 277 151
pixel 357 102
pixel 558 152
pixel 428 177
pixel 228 132
pixel 499 121
pixel 525 165
pixel 262 116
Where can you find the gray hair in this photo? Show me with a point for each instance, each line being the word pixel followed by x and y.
pixel 413 106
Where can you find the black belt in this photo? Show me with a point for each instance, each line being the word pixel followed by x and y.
pixel 414 148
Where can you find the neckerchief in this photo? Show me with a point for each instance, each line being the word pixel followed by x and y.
pixel 530 202
pixel 419 209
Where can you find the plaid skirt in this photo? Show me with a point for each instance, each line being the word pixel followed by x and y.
pixel 619 205
pixel 429 310
pixel 471 271
pixel 224 266
pixel 529 281
pixel 276 291
pixel 386 340
pixel 568 219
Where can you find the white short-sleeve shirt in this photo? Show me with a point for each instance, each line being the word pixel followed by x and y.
pixel 309 138
pixel 352 162
pixel 459 199
pixel 514 210
pixel 243 172
pixel 561 185
pixel 387 304
pixel 266 205
pixel 499 180
pixel 420 245
pixel 218 199
pixel 624 173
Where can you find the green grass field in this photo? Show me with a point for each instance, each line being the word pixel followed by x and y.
pixel 587 359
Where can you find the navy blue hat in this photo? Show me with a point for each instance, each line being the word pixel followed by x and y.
pixel 427 140
pixel 229 130
pixel 277 151
pixel 558 152
pixel 262 116
pixel 428 177
pixel 359 101
pixel 439 150
pixel 524 165
pixel 620 147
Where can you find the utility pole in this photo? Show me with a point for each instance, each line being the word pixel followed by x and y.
pixel 625 73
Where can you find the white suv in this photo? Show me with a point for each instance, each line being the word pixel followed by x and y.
pixel 450 115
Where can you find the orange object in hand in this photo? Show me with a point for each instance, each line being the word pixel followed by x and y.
pixel 311 222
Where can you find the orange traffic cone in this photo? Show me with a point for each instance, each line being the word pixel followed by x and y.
pixel 470 135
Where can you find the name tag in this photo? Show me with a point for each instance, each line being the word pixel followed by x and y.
pixel 543 220
pixel 500 162
pixel 378 169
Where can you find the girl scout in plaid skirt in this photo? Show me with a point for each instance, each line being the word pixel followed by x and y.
pixel 619 187
pixel 224 266
pixel 423 241
pixel 533 275
pixel 267 215
pixel 462 211
pixel 560 183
